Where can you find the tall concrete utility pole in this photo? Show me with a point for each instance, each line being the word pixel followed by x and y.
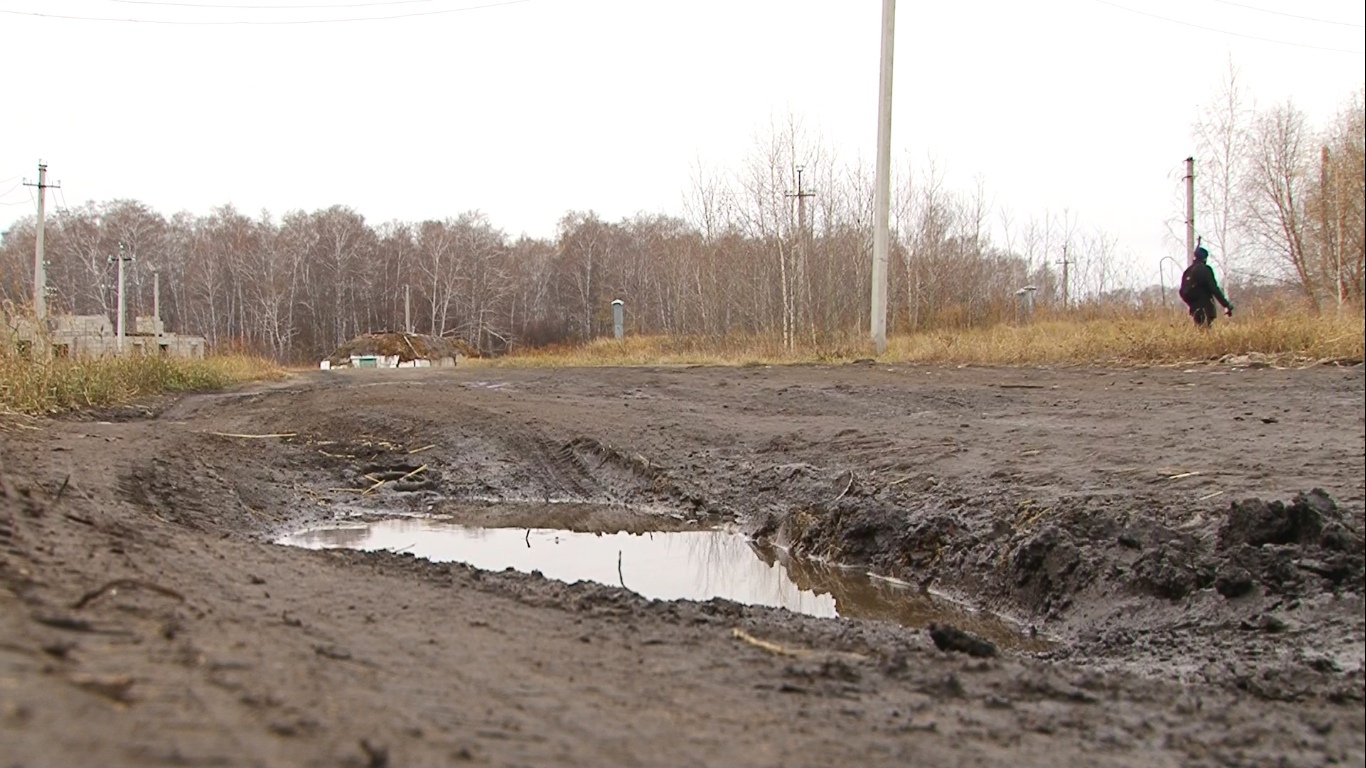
pixel 118 331
pixel 39 257
pixel 1064 264
pixel 407 309
pixel 803 283
pixel 882 200
pixel 1190 211
pixel 156 301
pixel 801 194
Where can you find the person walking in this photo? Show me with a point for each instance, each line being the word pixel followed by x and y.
pixel 1199 290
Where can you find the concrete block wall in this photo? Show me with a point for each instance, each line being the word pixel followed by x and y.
pixel 152 326
pixel 94 336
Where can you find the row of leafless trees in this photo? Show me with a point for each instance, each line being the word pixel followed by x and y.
pixel 1283 200
pixel 299 285
pixel 749 257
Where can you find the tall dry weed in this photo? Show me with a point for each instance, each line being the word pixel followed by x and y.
pixel 1155 338
pixel 33 385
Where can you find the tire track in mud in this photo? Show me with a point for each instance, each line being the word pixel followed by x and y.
pixel 866 496
pixel 1066 711
pixel 562 475
pixel 586 470
pixel 474 455
pixel 13 551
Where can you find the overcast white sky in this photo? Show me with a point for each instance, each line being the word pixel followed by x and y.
pixel 525 110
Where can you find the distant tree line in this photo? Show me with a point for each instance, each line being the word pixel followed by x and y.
pixel 744 259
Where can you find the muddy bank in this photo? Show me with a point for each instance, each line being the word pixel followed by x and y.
pixel 147 613
pixel 1265 597
pixel 1005 490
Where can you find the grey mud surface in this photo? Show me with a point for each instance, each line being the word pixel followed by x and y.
pixel 1183 549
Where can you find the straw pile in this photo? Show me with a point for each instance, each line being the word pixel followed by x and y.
pixel 407 346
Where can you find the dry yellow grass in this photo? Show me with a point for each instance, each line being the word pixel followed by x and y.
pixel 1158 340
pixel 36 387
pixel 1148 339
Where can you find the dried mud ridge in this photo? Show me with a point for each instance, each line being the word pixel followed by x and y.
pixel 1181 631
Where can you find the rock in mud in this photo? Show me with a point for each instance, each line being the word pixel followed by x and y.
pixel 1256 522
pixel 1173 570
pixel 1233 581
pixel 951 638
pixel 1338 538
pixel 1265 623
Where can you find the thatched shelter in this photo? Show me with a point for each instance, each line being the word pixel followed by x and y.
pixel 404 348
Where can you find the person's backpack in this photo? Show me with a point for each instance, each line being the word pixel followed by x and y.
pixel 1189 290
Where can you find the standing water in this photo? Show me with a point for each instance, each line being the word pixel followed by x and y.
pixel 676 565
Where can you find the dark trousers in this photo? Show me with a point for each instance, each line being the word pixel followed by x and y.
pixel 1203 314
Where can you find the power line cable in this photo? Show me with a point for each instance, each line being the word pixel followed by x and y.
pixel 1259 10
pixel 1227 32
pixel 439 12
pixel 31 199
pixel 244 6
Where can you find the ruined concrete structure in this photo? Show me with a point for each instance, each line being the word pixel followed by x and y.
pixel 95 336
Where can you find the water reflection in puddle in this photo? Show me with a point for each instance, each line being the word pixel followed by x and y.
pixel 682 565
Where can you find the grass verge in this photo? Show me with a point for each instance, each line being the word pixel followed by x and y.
pixel 35 387
pixel 1151 339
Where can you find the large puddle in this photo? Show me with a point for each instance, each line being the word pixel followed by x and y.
pixel 681 565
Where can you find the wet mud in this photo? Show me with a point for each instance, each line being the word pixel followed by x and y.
pixel 1149 567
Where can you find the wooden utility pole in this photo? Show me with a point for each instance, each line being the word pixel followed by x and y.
pixel 39 262
pixel 882 196
pixel 1190 211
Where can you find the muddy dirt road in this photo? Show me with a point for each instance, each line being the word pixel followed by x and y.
pixel 1177 556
